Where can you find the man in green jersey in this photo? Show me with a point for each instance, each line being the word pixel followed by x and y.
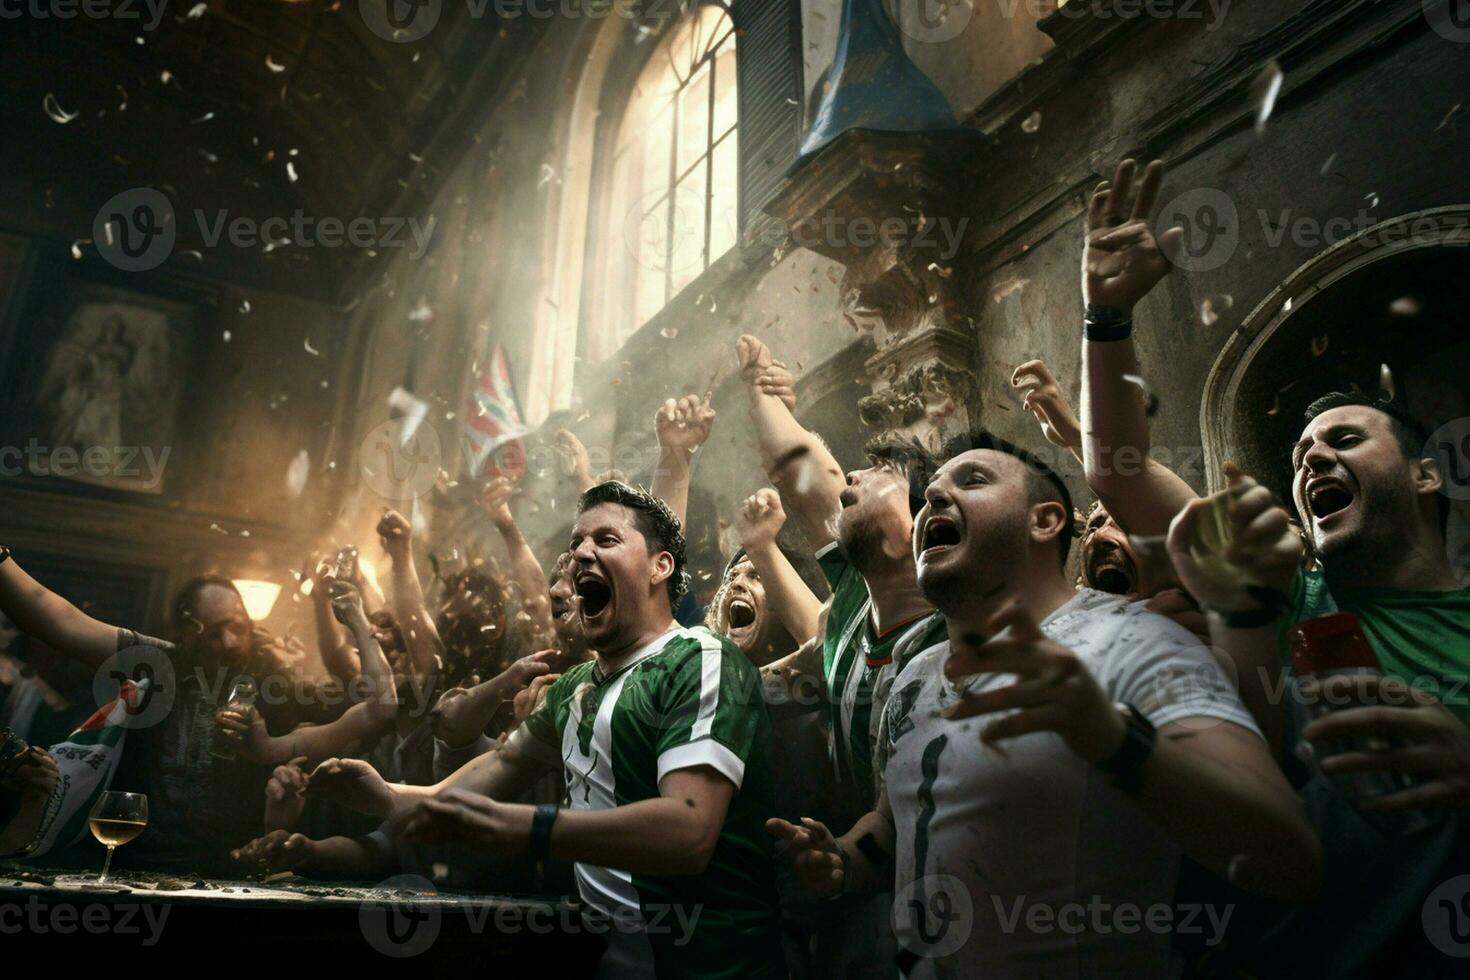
pixel 858 524
pixel 662 740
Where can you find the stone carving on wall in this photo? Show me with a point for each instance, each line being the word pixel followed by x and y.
pixel 890 208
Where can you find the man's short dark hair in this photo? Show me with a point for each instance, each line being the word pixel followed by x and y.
pixel 1412 435
pixel 1042 482
pixel 658 525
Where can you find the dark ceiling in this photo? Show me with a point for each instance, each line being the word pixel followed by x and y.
pixel 221 101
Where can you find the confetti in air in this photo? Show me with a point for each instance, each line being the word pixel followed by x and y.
pixel 1264 90
pixel 1386 389
pixel 54 110
pixel 297 473
pixel 1031 123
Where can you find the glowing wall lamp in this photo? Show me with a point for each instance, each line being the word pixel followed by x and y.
pixel 259 595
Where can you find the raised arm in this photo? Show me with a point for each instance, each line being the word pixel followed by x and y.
pixel 338 654
pixel 799 463
pixel 420 635
pixel 524 568
pixel 574 460
pixel 682 426
pixel 1121 262
pixel 759 521
pixel 1244 592
pixel 37 611
pixel 1049 406
pixel 461 714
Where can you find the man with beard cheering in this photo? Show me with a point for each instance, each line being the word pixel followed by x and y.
pixel 662 740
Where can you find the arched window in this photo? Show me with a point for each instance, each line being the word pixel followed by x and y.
pixel 675 175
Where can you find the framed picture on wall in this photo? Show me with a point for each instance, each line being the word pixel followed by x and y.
pixel 96 372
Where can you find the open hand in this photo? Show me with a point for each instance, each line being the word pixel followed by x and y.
pixel 1053 690
pixel 1045 401
pixel 1121 261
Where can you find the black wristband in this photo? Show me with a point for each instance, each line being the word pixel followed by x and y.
pixel 541 822
pixel 1103 324
pixel 1125 765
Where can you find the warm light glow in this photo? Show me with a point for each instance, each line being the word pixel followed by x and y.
pixel 369 574
pixel 259 595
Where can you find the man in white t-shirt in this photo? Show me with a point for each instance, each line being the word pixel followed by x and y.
pixel 1045 767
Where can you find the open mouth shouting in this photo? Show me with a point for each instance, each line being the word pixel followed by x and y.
pixel 597 597
pixel 742 617
pixel 1110 569
pixel 940 534
pixel 1327 498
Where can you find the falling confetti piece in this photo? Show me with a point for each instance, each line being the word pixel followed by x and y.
pixel 291 171
pixel 202 119
pixel 312 350
pixel 54 110
pixel 1013 285
pixel 1150 400
pixel 245 306
pixel 422 311
pixel 1031 123
pixel 1406 306
pixel 1286 307
pixel 197 11
pixel 1264 91
pixel 1386 389
pixel 1213 306
pixel 124 93
pixel 273 66
pixel 669 333
pixel 194 254
pixel 76 247
pixel 1327 165
pixel 167 76
pixel 1319 344
pixel 217 528
pixel 1372 200
pixel 297 473
pixel 227 336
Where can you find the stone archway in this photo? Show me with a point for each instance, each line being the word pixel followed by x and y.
pixel 1391 294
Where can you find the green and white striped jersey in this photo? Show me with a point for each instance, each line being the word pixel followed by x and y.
pixel 859 669
pixel 687 699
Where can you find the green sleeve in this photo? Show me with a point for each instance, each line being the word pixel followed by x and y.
pixel 712 709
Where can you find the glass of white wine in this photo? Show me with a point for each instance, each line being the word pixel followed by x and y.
pixel 116 819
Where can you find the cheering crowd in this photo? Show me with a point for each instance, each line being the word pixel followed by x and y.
pixel 900 737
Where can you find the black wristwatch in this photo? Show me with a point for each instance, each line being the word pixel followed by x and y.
pixel 1125 765
pixel 1102 324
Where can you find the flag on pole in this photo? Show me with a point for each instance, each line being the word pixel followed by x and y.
pixel 494 430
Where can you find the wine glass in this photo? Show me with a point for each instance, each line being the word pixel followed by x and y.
pixel 116 819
